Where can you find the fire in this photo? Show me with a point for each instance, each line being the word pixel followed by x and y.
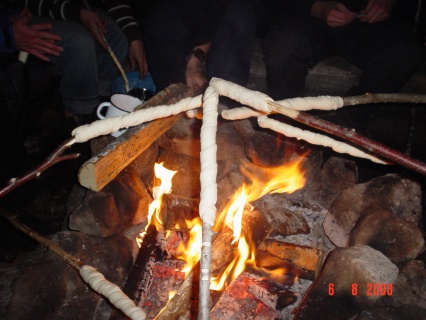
pixel 286 178
pixel 165 176
pixel 191 252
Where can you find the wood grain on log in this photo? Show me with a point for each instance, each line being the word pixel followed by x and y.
pixel 304 258
pixel 101 169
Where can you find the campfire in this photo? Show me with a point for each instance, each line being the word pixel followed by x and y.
pixel 298 239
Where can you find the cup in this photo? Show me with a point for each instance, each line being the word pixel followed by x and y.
pixel 121 104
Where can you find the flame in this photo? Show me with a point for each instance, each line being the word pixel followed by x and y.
pixel 236 267
pixel 285 178
pixel 165 176
pixel 192 251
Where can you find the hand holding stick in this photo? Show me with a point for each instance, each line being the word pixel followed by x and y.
pixel 111 53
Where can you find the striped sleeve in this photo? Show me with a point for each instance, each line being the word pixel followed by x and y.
pixel 55 9
pixel 121 12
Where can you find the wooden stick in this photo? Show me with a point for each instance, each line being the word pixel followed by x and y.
pixel 89 274
pixel 70 259
pixel 55 157
pixel 352 136
pixel 111 53
pixel 384 98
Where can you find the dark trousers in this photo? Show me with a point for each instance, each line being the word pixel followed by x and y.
pixel 387 52
pixel 25 91
pixel 168 40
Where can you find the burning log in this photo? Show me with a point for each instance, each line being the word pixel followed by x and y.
pixel 307 260
pixel 140 278
pixel 177 210
pixel 100 170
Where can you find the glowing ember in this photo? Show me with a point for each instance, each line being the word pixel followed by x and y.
pixel 165 187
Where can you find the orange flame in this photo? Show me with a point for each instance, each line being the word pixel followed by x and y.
pixel 165 176
pixel 286 178
pixel 192 251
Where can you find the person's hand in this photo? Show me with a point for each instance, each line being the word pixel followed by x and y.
pixel 377 10
pixel 34 39
pixel 137 58
pixel 93 22
pixel 335 14
pixel 194 76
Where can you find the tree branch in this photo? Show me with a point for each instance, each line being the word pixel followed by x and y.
pixel 55 157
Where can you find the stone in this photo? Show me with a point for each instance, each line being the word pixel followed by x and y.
pixel 335 175
pixel 386 313
pixel 184 138
pixel 186 181
pixel 49 288
pixel 394 192
pixel 144 164
pixel 122 203
pixel 410 287
pixel 383 230
pixel 345 286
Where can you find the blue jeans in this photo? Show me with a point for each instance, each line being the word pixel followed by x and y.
pixel 86 69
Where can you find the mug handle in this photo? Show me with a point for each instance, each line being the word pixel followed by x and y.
pixel 100 107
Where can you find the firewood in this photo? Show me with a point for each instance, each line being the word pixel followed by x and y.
pixel 140 277
pixel 101 169
pixel 176 210
pixel 304 258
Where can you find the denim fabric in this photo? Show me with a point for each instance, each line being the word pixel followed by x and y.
pixel 86 69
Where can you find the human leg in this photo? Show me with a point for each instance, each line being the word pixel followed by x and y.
pixel 292 47
pixel 166 45
pixel 86 69
pixel 231 50
pixel 388 53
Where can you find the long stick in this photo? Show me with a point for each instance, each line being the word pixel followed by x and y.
pixel 55 157
pixel 89 274
pixel 352 136
pixel 112 54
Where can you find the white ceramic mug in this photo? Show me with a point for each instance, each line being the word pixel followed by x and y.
pixel 120 105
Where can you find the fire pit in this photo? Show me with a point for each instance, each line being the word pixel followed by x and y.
pixel 323 247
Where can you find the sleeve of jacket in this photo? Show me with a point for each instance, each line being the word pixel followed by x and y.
pixel 55 9
pixel 7 38
pixel 121 12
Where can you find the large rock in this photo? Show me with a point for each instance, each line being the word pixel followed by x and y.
pixel 393 192
pixel 335 175
pixel 122 203
pixel 410 287
pixel 383 230
pixel 345 285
